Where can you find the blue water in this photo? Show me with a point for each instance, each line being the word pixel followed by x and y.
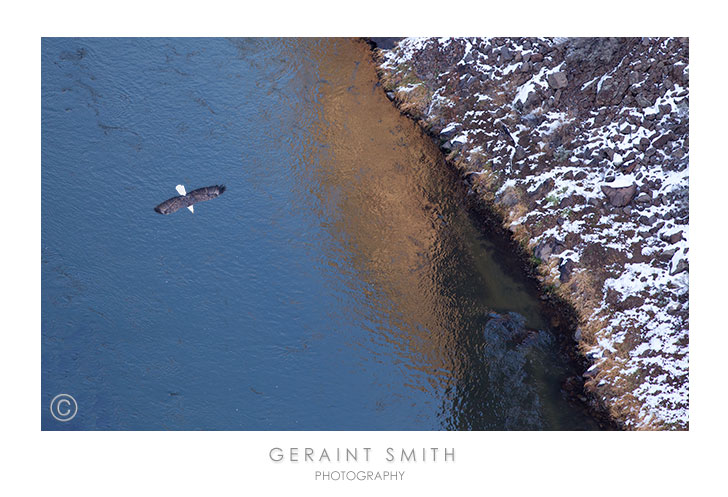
pixel 334 285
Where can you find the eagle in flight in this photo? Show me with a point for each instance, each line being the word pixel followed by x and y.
pixel 189 199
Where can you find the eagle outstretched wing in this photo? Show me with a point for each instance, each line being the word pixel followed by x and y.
pixel 188 200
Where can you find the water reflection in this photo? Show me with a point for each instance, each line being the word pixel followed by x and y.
pixel 426 279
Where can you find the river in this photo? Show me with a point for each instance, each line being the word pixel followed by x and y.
pixel 338 284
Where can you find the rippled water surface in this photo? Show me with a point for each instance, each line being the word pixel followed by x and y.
pixel 337 284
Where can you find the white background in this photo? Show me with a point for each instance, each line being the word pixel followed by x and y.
pixel 234 463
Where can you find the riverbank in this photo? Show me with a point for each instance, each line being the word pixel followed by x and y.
pixel 580 146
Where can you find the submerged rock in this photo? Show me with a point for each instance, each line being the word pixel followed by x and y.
pixel 511 355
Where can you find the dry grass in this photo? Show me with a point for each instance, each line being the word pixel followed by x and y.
pixel 389 79
pixel 584 291
pixel 486 184
pixel 546 268
pixel 415 101
pixel 617 388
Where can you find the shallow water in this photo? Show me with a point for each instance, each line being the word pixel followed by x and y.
pixel 337 284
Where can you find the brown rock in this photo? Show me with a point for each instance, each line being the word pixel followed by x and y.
pixel 547 247
pixel 543 188
pixel 571 201
pixel 673 237
pixel 565 270
pixel 642 100
pixel 682 265
pixel 509 198
pixel 620 196
pixel 663 139
pixel 520 154
pixel 558 80
pixel 506 55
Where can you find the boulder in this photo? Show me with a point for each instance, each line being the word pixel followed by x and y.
pixel 520 154
pixel 620 196
pixel 681 266
pixel 591 372
pixel 557 80
pixel 448 132
pixel 545 187
pixel 506 54
pixel 470 177
pixel 604 93
pixel 509 198
pixel 571 201
pixel 642 101
pixel 565 270
pixel 667 254
pixel 629 167
pixel 533 99
pixel 663 139
pixel 673 237
pixel 547 247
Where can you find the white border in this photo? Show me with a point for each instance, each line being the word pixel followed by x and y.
pixel 235 463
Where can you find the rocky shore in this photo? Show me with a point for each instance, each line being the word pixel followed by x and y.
pixel 580 146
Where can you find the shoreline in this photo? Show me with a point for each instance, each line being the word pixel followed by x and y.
pixel 560 313
pixel 572 176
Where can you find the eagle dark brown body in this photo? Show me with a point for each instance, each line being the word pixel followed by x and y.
pixel 200 195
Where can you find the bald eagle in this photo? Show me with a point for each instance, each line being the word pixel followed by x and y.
pixel 189 199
